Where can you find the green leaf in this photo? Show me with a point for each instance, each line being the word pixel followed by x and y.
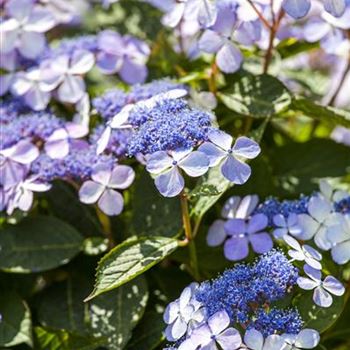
pixel 256 96
pixel 316 317
pixel 323 113
pixel 148 334
pixel 15 323
pixel 298 165
pixel 130 259
pixel 115 314
pixel 59 339
pixel 64 203
pixel 38 244
pixel 152 214
pixel 61 306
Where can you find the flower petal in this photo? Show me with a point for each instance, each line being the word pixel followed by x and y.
pixel 296 8
pixel 261 242
pixel 111 202
pixel 235 171
pixel 195 164
pixel 247 206
pixel 221 139
pixel 214 154
pixel 257 223
pixel 229 339
pixel 81 62
pixel 254 339
pixel 159 162
pixel 210 41
pixel 90 192
pixel 72 89
pixel 218 322
pixel 122 177
pixel 229 58
pixel 31 44
pixel 307 283
pixel 332 285
pixel 236 249
pixel 322 298
pixel 307 339
pixel 319 208
pixel 216 234
pixel 170 183
pixel 341 253
pixel 246 148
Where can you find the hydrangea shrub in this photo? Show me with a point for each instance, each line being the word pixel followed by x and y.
pixel 174 174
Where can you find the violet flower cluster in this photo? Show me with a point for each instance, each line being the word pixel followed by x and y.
pixel 308 228
pixel 234 311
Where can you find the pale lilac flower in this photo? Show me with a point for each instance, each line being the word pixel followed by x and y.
pixel 57 144
pixel 242 232
pixel 322 289
pixel 102 188
pixel 64 73
pixel 203 11
pixel 218 39
pixel 24 28
pixel 304 253
pixel 339 236
pixel 286 226
pixel 22 197
pixel 183 314
pixel 330 193
pixel 234 208
pixel 214 335
pixel 306 339
pixel 220 151
pixel 14 162
pixel 33 88
pixel 316 223
pixel 126 56
pixel 167 168
pixel 254 340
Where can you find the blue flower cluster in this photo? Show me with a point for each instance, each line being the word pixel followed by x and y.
pixel 245 289
pixel 172 124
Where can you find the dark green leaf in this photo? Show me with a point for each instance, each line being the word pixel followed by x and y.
pixel 152 214
pixel 15 322
pixel 256 96
pixel 323 113
pixel 130 259
pixel 38 244
pixel 57 339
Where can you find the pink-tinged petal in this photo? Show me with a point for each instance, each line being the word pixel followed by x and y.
pixel 133 72
pixel 247 206
pixel 254 339
pixel 9 31
pixel 81 62
pixel 19 9
pixel 307 283
pixel 72 89
pixel 236 249
pixel 216 234
pixel 229 58
pixel 235 171
pixel 103 141
pixel 214 154
pixel 332 285
pixel 322 298
pixel 21 84
pixel 23 152
pixel 257 223
pixel 341 253
pixel 40 21
pixel 102 174
pixel 261 242
pixel 195 164
pixel 31 44
pixel 11 173
pixel 308 226
pixel 230 339
pixel 234 227
pixel 57 147
pixel 246 148
pixel 307 339
pixel 218 322
pixel 122 177
pixel 107 63
pixel 90 192
pixel 24 200
pixel 170 183
pixel 111 202
pixel 319 208
pixel 76 130
pixel 230 207
pixel 37 99
pixel 173 18
pixel 159 162
pixel 221 139
pixel 210 41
